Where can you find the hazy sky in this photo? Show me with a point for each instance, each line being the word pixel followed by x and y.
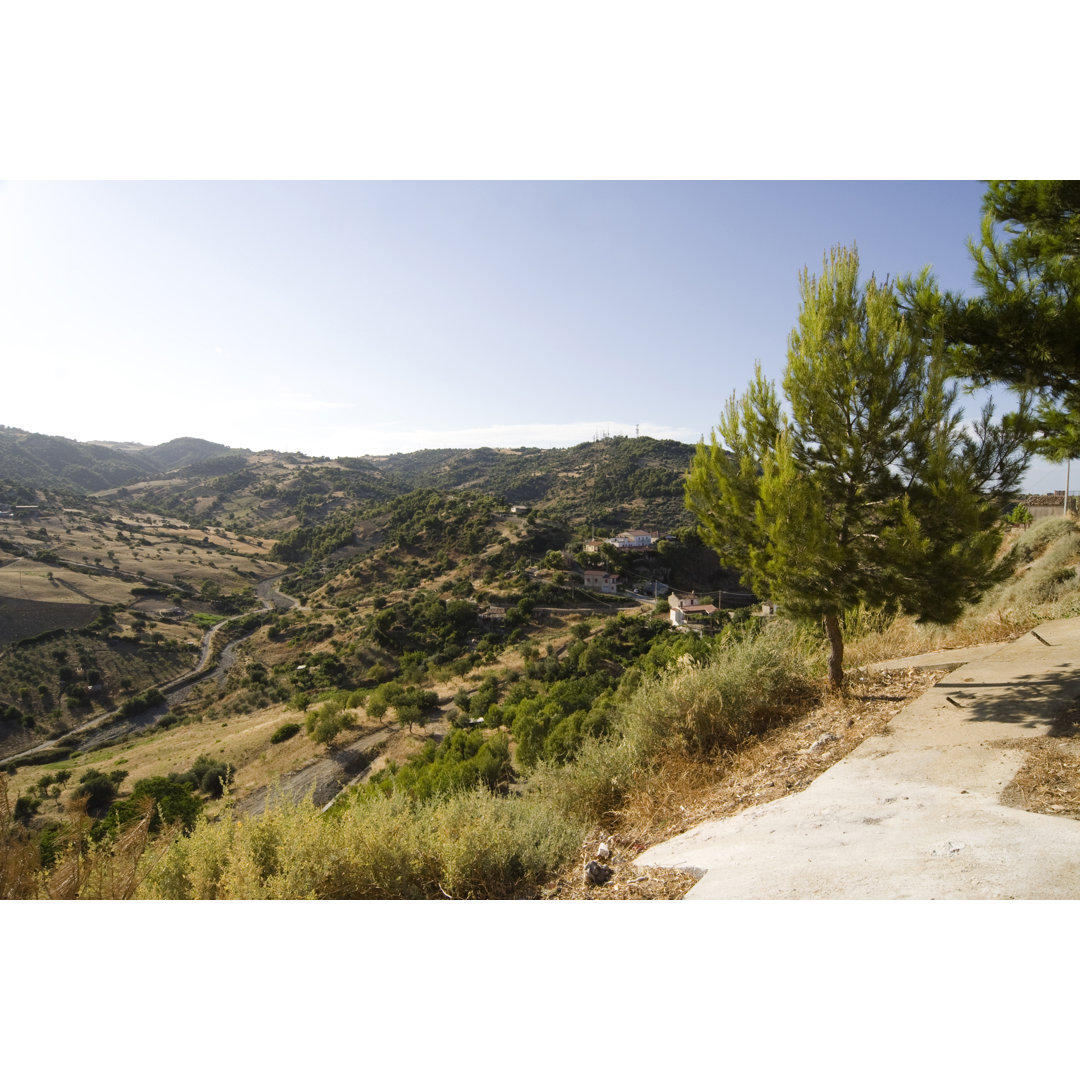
pixel 369 317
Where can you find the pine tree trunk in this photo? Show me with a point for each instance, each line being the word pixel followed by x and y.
pixel 836 648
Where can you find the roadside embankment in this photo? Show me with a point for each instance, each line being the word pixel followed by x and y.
pixel 917 812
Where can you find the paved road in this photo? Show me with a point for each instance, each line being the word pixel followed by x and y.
pixel 914 813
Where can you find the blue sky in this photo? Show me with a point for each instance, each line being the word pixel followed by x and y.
pixel 371 317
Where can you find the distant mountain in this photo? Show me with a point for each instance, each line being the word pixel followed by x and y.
pixel 180 452
pixel 55 462
pixel 50 461
pixel 608 484
pixel 613 482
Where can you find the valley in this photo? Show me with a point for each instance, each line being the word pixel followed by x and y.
pixel 323 647
pixel 198 612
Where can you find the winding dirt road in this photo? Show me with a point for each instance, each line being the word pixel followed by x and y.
pixel 102 729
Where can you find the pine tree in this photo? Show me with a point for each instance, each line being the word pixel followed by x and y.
pixel 870 490
pixel 1024 330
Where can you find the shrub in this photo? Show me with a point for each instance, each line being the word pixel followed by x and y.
pixel 140 703
pixel 99 790
pixel 602 774
pixel 492 848
pixel 210 776
pixel 286 731
pixel 472 845
pixel 327 722
pixel 463 760
pixel 174 803
pixel 691 711
pixel 748 685
pixel 1020 515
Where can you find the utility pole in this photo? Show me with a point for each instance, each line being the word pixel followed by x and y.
pixel 1065 508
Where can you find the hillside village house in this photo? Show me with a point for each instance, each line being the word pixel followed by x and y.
pixel 683 606
pixel 601 581
pixel 632 539
pixel 1042 506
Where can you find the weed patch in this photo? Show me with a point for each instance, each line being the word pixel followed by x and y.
pixel 472 845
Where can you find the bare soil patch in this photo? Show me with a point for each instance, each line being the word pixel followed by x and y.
pixel 25 618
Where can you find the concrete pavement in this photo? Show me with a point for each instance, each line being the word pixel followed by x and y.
pixel 914 813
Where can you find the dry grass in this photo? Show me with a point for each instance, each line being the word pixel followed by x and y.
pixel 27 579
pixel 1049 780
pixel 244 741
pixel 903 636
pixel 112 870
pixel 1043 586
pixel 173 553
pixel 470 845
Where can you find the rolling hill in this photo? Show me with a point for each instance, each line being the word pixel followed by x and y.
pixel 610 484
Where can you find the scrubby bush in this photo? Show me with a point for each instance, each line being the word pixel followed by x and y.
pixel 327 722
pixel 207 774
pixel 746 686
pixel 472 845
pixel 603 773
pixel 1019 515
pixel 174 802
pixel 460 762
pixel 99 789
pixel 690 712
pixel 286 731
pixel 140 703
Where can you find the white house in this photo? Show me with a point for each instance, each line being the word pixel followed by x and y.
pixel 688 605
pixel 633 538
pixel 601 581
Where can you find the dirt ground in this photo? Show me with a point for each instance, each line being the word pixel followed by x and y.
pixel 1049 780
